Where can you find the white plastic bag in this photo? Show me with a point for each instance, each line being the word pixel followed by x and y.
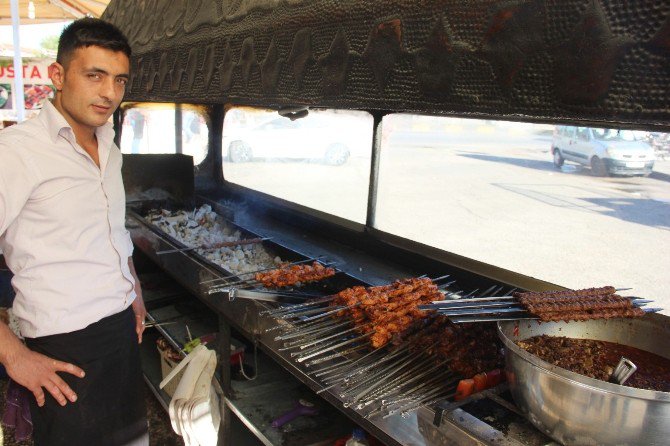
pixel 194 408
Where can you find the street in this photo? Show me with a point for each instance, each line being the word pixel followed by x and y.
pixel 495 196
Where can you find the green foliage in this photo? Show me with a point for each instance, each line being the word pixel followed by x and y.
pixel 50 43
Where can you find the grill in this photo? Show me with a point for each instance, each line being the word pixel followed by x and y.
pixel 391 391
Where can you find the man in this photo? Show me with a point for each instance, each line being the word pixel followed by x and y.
pixel 137 122
pixel 62 229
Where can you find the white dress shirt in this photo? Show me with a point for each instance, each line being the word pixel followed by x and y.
pixel 62 226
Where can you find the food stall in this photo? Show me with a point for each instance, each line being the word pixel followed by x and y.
pixel 36 85
pixel 398 371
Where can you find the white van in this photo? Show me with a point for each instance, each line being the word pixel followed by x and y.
pixel 606 151
pixel 327 136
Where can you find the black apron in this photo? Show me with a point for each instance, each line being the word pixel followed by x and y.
pixel 110 408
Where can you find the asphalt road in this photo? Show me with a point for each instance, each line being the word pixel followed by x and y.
pixel 498 199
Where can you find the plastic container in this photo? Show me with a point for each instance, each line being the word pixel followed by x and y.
pixel 357 438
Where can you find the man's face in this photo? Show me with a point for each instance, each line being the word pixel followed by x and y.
pixel 91 85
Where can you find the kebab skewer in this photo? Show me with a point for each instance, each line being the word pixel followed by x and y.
pixel 291 275
pixel 547 306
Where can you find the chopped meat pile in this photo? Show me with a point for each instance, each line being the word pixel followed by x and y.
pixel 597 359
pixel 468 348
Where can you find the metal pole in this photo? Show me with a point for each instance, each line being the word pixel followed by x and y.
pixel 178 126
pixel 225 432
pixel 17 94
pixel 374 170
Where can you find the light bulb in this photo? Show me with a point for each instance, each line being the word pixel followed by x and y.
pixel 31 10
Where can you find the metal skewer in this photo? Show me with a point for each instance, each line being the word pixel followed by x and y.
pixel 368 357
pixel 289 308
pixel 253 282
pixel 437 279
pixel 328 313
pixel 336 355
pixel 401 382
pixel 315 328
pixel 237 284
pixel 438 384
pixel 376 375
pixel 483 301
pixel 262 270
pixel 309 344
pixel 464 305
pixel 466 319
pixel 333 347
pixel 488 291
pixel 480 311
pixel 431 399
pixel 446 285
pixel 219 245
pixel 492 307
pixel 385 381
pixel 304 312
pixel 150 324
pixel 298 325
pixel 508 296
pixel 316 337
pixel 369 362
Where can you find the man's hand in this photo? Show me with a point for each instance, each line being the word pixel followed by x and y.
pixel 138 303
pixel 140 316
pixel 35 371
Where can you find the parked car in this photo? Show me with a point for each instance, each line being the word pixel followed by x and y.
pixel 309 138
pixel 605 151
pixel 660 142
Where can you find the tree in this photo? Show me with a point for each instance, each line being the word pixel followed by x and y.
pixel 50 43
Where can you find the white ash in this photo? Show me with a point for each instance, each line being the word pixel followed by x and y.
pixel 154 193
pixel 203 227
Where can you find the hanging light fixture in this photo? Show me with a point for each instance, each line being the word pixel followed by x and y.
pixel 31 10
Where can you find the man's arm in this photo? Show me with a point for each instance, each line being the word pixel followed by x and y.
pixel 30 369
pixel 34 371
pixel 138 303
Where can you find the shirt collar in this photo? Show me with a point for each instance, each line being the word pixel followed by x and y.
pixel 54 122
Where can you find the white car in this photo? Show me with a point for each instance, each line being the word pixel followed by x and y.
pixel 308 138
pixel 606 151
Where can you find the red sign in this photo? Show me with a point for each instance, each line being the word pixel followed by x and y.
pixel 33 73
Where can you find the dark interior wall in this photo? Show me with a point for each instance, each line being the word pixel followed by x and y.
pixel 584 61
pixel 597 62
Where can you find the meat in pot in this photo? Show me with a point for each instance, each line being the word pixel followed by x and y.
pixel 597 359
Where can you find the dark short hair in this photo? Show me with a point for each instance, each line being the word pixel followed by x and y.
pixel 90 32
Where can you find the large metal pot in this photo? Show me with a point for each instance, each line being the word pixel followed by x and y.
pixel 575 409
